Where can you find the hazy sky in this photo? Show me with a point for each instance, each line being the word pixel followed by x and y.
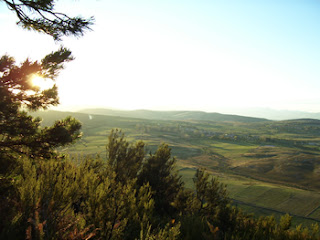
pixel 195 55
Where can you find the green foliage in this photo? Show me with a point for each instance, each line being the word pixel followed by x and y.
pixel 60 200
pixel 109 206
pixel 124 159
pixel 21 137
pixel 43 202
pixel 19 132
pixel 39 15
pixel 159 171
pixel 31 189
pixel 267 228
pixel 169 232
pixel 84 199
pixel 210 194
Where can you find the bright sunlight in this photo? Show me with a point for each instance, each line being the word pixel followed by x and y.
pixel 41 82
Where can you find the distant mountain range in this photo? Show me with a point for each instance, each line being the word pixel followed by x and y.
pixel 274 114
pixel 172 115
pixel 257 112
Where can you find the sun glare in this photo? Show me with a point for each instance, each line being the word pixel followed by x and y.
pixel 41 82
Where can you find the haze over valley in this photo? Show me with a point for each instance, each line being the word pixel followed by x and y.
pixel 266 113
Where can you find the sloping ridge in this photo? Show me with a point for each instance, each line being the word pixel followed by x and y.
pixel 174 115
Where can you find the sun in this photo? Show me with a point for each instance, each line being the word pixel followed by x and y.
pixel 41 83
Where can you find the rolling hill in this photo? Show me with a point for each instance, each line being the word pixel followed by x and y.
pixel 173 115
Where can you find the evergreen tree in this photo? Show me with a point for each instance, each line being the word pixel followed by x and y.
pixel 20 133
pixel 211 195
pixel 21 137
pixel 159 171
pixel 123 158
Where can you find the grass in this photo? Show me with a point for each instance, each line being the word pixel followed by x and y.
pixel 264 199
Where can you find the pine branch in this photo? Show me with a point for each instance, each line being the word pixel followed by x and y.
pixel 55 24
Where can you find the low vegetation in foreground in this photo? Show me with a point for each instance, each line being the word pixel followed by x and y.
pixel 129 196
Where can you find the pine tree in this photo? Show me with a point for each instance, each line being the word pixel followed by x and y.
pixel 21 138
pixel 159 171
pixel 125 159
pixel 21 133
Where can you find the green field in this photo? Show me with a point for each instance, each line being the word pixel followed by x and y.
pixel 269 167
pixel 261 198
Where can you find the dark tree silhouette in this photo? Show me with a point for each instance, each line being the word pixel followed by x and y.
pixel 159 171
pixel 21 137
pixel 20 133
pixel 41 16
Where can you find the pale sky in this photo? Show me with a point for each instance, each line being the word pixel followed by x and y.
pixel 184 55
